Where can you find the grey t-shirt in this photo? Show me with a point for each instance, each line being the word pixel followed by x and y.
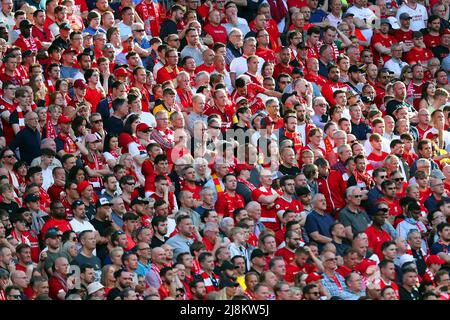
pixel 179 245
pixel 358 221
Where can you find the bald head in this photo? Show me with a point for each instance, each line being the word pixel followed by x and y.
pixel 31 119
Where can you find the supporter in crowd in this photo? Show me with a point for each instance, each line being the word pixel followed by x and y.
pixel 225 150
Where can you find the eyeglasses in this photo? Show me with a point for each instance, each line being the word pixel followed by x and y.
pixel 383 177
pixel 97 121
pixel 357 196
pixel 15 296
pixel 74 239
pixel 140 30
pixel 285 82
pixel 398 179
pixel 315 293
pixel 174 39
pixel 212 127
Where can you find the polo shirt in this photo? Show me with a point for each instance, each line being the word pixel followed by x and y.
pixel 320 223
pixel 376 239
pixel 360 130
pixel 359 221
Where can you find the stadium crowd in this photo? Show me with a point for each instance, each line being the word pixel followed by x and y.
pixel 224 150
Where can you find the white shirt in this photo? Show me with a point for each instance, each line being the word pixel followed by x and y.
pixel 242 25
pixel 48 178
pixel 385 146
pixel 395 66
pixel 418 15
pixel 124 30
pixel 363 13
pixel 334 21
pixel 239 65
pixel 78 226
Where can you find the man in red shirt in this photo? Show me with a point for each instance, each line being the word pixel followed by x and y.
pixel 267 196
pixel 263 50
pixel 188 182
pixel 229 200
pixel 208 61
pixel 152 14
pixel 404 34
pixel 170 70
pixel 381 43
pixel 388 276
pixel 331 185
pixel 377 156
pixel 333 84
pixel 221 107
pixel 301 263
pixel 375 234
pixel 21 234
pixel 38 31
pixel 58 219
pixel 419 53
pixel 433 37
pixel 286 201
pixel 60 283
pixel 292 240
pixel 25 40
pixel 283 66
pixel 388 189
pixel 214 28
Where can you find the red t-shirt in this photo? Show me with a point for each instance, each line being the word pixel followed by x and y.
pixel 166 74
pixel 268 215
pixel 266 54
pixel 218 33
pixel 227 203
pixel 288 255
pixel 431 41
pixel 386 40
pixel 376 239
pixel 62 224
pixel 418 55
pixel 279 68
pixel 94 96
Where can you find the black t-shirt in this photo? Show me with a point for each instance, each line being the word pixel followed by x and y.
pixel 101 227
pixel 114 125
pixel 289 171
pixel 114 293
pixel 94 261
pixel 440 52
pixel 156 242
pixel 10 208
pixel 394 104
pixel 406 295
pixel 168 27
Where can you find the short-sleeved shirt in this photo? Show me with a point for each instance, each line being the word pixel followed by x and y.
pixel 359 221
pixel 320 223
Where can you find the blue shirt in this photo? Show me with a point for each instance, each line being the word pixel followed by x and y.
pixel 317 16
pixel 142 269
pixel 320 223
pixel 29 144
pixel 332 287
pixel 439 247
pixel 360 130
pixel 373 195
pixel 93 31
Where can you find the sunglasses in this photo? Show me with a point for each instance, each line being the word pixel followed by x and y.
pixel 214 127
pixel 358 196
pixel 398 179
pixel 97 121
pixel 9 156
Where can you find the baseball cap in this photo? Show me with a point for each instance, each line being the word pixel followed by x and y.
pixel 417 34
pixel 94 287
pixel 120 72
pixel 405 16
pixel 91 138
pixel 102 201
pixel 82 185
pixel 87 34
pixel 385 21
pixel 126 37
pixel 64 119
pixel 286 96
pixel 354 68
pixel 437 173
pixel 302 191
pixel 434 259
pixel 27 53
pixel 364 265
pixel 348 14
pixel 69 50
pixel 257 253
pixel 227 283
pixel 350 94
pixel 65 25
pixel 138 200
pixel 31 197
pixel 312 277
pixel 80 84
pixel 142 127
pixel 25 24
pixel 51 233
pixel 108 46
pixel 366 99
pixel 76 204
pixel 303 45
pixel 405 259
pixel 241 99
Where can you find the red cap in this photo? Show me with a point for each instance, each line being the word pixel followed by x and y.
pixel 64 119
pixel 242 166
pixel 434 259
pixel 313 277
pixel 80 83
pixel 364 265
pixel 82 185
pixel 120 72
pixel 142 127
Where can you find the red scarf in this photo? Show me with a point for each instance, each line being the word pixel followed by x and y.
pixel 363 177
pixel 49 128
pixel 22 240
pixel 247 183
pixel 69 145
pixel 295 137
pixel 328 145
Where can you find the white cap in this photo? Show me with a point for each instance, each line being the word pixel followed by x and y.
pixel 94 287
pixel 405 258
